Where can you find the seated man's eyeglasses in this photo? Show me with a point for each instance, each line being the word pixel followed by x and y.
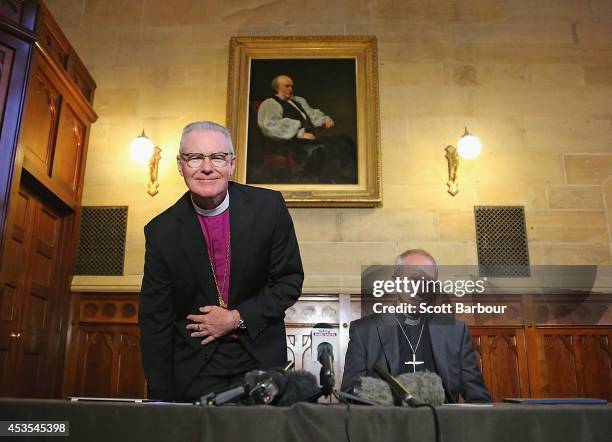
pixel 195 160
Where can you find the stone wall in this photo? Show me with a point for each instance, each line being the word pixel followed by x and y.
pixel 532 79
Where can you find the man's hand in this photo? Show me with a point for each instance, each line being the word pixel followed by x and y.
pixel 309 136
pixel 328 123
pixel 213 323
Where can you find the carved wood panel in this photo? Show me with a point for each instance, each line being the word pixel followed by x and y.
pixel 504 352
pixel 6 64
pixel 68 149
pixel 108 362
pixel 596 364
pixel 40 119
pixel 11 10
pixel 576 362
pixel 502 356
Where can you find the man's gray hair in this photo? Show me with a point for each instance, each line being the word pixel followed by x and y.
pixel 399 261
pixel 202 126
pixel 274 83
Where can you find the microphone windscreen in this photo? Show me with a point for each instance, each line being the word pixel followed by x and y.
pixel 374 389
pixel 426 387
pixel 325 349
pixel 302 386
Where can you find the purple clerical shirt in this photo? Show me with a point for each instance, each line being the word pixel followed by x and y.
pixel 216 230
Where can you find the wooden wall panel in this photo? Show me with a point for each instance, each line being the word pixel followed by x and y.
pixel 68 149
pixel 6 64
pixel 567 360
pixel 96 355
pixel 596 364
pixel 36 88
pixel 575 362
pixel 40 119
pixel 503 358
pixel 105 358
pixel 130 377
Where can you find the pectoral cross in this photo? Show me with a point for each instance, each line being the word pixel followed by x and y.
pixel 414 362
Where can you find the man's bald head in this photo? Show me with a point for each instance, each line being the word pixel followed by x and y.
pixel 283 86
pixel 416 263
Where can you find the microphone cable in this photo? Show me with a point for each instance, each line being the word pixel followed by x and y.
pixel 435 416
pixel 347 414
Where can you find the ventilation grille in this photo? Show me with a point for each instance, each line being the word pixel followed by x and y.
pixel 101 240
pixel 501 238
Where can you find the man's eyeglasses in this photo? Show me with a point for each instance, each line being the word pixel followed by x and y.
pixel 195 160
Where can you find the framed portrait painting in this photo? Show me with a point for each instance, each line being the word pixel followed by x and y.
pixel 303 112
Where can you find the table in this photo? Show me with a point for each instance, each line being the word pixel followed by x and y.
pixel 95 421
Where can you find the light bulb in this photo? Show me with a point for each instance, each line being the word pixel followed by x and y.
pixel 141 148
pixel 469 146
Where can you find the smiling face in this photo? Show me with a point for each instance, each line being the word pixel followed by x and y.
pixel 207 183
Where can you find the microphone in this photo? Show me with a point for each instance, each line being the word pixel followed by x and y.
pixel 321 336
pixel 426 387
pixel 325 356
pixel 263 387
pixel 301 386
pixel 398 389
pixel 373 389
pixel 259 387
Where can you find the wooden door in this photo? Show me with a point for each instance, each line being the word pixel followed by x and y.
pixel 12 277
pixel 31 287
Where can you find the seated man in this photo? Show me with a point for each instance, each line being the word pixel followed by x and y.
pixel 293 128
pixel 416 342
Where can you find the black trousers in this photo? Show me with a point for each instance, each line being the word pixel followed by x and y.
pixel 225 369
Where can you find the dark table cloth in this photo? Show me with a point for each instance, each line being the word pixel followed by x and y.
pixel 94 421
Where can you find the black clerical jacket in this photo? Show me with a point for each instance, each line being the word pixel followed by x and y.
pixel 375 339
pixel 266 278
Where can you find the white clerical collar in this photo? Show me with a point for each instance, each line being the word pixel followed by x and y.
pixel 212 212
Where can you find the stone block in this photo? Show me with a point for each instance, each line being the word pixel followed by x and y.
pixel 112 12
pixel 416 196
pixel 566 226
pixel 569 254
pixel 575 197
pixel 512 194
pixel 384 225
pixel 568 134
pixel 456 225
pixel 557 74
pixel 116 101
pixel 344 258
pixel 598 75
pixel 445 253
pixel 316 224
pixel 588 168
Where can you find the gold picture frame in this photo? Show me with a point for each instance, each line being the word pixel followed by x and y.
pixel 338 76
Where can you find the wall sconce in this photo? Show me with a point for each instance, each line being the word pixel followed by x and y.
pixel 468 148
pixel 144 152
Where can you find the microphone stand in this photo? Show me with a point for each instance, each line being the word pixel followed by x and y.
pixel 402 392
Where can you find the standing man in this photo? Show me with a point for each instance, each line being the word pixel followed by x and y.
pixel 415 342
pixel 221 267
